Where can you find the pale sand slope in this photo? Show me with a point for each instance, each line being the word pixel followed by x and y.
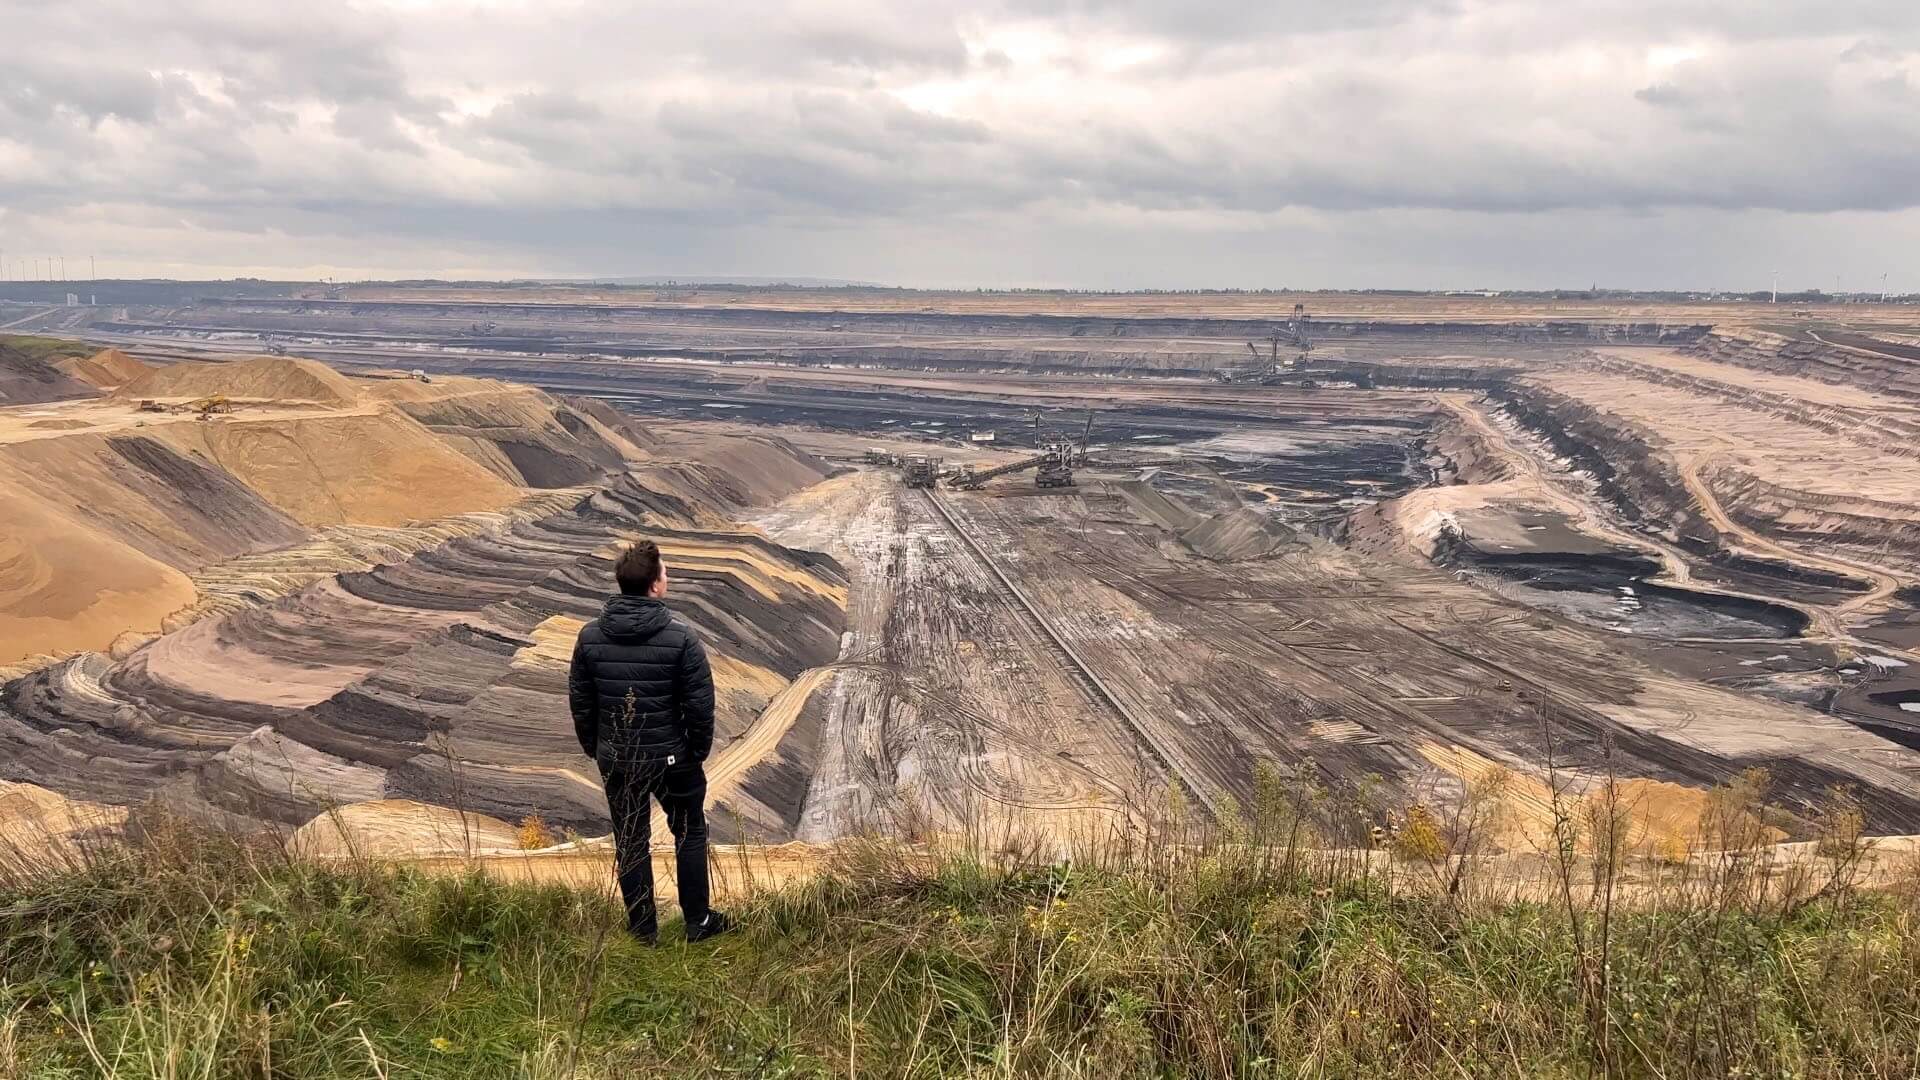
pixel 96 544
pixel 380 469
pixel 389 386
pixel 41 828
pixel 1780 451
pixel 1656 817
pixel 400 828
pixel 65 587
pixel 521 434
pixel 1811 390
pixel 106 369
pixel 110 509
pixel 260 378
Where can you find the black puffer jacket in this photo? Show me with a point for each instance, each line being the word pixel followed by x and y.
pixel 640 687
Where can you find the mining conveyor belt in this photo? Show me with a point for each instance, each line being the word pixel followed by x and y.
pixel 978 478
pixel 1167 756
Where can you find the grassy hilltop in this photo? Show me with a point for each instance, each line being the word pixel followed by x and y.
pixel 179 952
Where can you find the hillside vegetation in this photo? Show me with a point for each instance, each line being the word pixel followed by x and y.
pixel 180 952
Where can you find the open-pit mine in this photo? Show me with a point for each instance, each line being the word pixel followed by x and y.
pixel 1050 562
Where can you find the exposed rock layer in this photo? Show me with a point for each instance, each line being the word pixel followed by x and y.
pixel 392 652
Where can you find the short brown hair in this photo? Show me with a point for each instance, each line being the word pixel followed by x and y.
pixel 638 568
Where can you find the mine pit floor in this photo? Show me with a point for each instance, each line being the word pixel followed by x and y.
pixel 1317 661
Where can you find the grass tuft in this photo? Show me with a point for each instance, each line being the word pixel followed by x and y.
pixel 179 951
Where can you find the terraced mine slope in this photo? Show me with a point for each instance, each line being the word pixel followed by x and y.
pixel 361 589
pixel 1455 540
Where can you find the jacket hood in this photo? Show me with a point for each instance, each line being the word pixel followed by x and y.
pixel 634 618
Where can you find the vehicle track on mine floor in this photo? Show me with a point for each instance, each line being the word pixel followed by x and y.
pixel 1827 619
pixel 1096 690
pixel 28 318
pixel 1882 583
pixel 974 725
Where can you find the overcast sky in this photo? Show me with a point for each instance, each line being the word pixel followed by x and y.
pixel 1165 143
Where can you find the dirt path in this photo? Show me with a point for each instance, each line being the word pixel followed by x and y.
pixel 101 416
pixel 725 769
pixel 28 318
pixel 1828 620
pixel 1673 563
pixel 1884 585
pixel 1875 353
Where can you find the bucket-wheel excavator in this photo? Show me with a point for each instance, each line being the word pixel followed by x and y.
pixel 1053 462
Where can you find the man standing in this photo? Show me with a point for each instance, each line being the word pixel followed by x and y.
pixel 642 698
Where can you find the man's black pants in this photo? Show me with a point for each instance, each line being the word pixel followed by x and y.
pixel 681 791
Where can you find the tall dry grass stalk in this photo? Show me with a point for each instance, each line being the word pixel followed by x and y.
pixel 1315 930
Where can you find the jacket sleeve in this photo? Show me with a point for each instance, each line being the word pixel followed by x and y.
pixel 584 698
pixel 696 698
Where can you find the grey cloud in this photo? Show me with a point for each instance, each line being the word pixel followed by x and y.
pixel 1664 95
pixel 375 126
pixel 868 47
pixel 1232 20
pixel 454 128
pixel 553 126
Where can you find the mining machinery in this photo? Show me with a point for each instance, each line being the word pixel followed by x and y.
pixel 209 407
pixel 418 375
pixel 1265 365
pixel 1297 329
pixel 1061 458
pixel 1268 366
pixel 970 477
pixel 1053 462
pixel 920 470
pixel 1056 467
